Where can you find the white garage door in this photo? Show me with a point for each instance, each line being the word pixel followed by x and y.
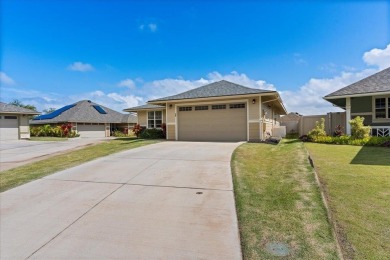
pixel 9 128
pixel 219 122
pixel 91 130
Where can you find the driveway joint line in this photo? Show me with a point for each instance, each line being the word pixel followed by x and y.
pixel 139 184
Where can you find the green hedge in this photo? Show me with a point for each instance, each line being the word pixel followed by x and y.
pixel 152 133
pixel 345 139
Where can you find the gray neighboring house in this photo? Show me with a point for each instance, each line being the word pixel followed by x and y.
pixel 14 122
pixel 220 111
pixel 369 98
pixel 88 119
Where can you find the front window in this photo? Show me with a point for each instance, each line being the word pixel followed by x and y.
pixel 382 108
pixel 154 119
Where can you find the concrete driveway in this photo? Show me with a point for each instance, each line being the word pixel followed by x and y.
pixel 171 200
pixel 19 152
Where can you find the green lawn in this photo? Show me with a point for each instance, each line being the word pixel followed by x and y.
pixel 29 172
pixel 278 201
pixel 357 183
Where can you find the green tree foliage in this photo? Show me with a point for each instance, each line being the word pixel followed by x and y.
pixel 318 130
pixel 49 110
pixel 358 129
pixel 19 103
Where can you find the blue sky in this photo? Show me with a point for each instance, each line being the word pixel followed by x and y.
pixel 122 53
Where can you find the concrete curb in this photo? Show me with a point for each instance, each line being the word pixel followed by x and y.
pixel 328 212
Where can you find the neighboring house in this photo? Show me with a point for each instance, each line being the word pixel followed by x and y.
pixel 14 123
pixel 88 119
pixel 369 98
pixel 291 122
pixel 220 111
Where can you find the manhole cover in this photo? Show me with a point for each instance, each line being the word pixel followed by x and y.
pixel 278 249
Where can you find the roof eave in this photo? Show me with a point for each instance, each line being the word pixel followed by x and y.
pixel 358 95
pixel 20 113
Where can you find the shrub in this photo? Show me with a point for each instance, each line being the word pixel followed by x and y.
pixel 64 130
pixel 358 130
pixel 318 130
pixel 349 140
pixel 338 131
pixel 152 133
pixel 137 129
pixel 118 133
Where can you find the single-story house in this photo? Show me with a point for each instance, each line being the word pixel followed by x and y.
pixel 88 119
pixel 220 111
pixel 368 98
pixel 14 123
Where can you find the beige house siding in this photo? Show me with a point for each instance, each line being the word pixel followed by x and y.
pixel 170 114
pixel 254 131
pixel 253 109
pixel 142 118
pixel 24 127
pixel 171 132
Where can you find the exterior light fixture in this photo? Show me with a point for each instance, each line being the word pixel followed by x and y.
pixel 170 105
pixel 253 101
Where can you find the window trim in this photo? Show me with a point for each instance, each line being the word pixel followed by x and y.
pixel 218 107
pixel 11 117
pixel 154 119
pixel 387 109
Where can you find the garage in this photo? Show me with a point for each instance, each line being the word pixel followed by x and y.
pixel 213 122
pixel 9 127
pixel 91 130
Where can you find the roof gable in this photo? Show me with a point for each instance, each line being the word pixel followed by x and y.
pixel 216 89
pixel 376 83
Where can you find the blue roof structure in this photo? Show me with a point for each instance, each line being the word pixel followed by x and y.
pixel 54 113
pixel 99 109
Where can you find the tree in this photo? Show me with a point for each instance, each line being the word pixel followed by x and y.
pixel 19 103
pixel 49 110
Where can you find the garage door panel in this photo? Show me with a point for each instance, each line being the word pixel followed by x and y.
pixel 95 131
pixel 9 129
pixel 213 125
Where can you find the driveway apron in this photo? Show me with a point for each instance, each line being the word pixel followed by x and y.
pixel 171 200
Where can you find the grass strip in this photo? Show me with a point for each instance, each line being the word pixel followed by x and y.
pixel 356 181
pixel 29 172
pixel 278 201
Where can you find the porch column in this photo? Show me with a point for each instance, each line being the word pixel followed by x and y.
pixel 348 115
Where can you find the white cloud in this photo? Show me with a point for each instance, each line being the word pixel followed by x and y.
pixel 152 27
pixel 167 87
pixel 308 99
pixel 378 57
pixel 5 79
pixel 299 60
pixel 127 83
pixel 79 66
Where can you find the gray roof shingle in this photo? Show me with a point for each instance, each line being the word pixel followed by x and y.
pixel 8 108
pixel 84 112
pixel 216 89
pixel 378 82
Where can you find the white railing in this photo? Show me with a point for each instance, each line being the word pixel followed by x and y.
pixel 380 131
